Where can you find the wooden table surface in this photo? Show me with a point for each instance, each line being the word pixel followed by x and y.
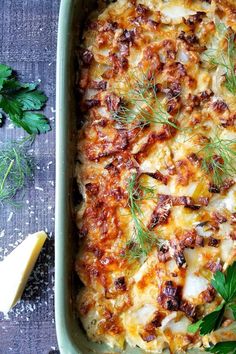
pixel 28 30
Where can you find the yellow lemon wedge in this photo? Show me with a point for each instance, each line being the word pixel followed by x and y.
pixel 15 269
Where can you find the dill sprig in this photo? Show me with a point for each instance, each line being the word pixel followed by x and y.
pixel 143 239
pixel 142 107
pixel 225 59
pixel 218 158
pixel 15 169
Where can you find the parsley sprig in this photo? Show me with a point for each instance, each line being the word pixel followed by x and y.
pixel 225 285
pixel 21 101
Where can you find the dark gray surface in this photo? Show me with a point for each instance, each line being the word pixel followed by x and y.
pixel 28 30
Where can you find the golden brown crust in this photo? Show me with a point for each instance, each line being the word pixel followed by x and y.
pixel 155 50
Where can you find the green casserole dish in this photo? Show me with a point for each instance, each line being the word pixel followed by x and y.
pixel 71 337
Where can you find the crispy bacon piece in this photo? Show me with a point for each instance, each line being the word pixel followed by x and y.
pixel 199 241
pixel 159 176
pixel 219 106
pixel 109 26
pixel 219 218
pixel 188 308
pixel 161 213
pixel 214 189
pixel 214 266
pixel 209 294
pixel 92 188
pixel 98 85
pixel 164 254
pixel 127 37
pixel 142 10
pixel 179 258
pixel 120 284
pixel 205 95
pixel 190 39
pixel 87 57
pixel 92 103
pixel 189 239
pixel 227 184
pixel 113 102
pixel 228 122
pixel 169 296
pixel 192 20
pixel 213 242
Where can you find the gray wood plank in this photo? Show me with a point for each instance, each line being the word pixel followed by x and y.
pixel 28 30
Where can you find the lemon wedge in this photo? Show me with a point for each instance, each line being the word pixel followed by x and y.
pixel 15 269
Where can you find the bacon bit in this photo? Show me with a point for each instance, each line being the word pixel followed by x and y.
pixel 83 232
pixel 219 106
pixel 214 266
pixel 169 297
pixel 109 26
pixel 194 159
pixel 204 201
pixel 199 241
pixel 205 95
pixel 233 218
pixel 228 122
pixel 193 101
pixel 158 176
pixel 193 19
pixel 119 64
pixel 213 242
pixel 156 321
pixel 142 10
pixel 219 217
pixel 148 337
pixel 180 259
pixel 92 103
pixel 233 235
pixel 213 188
pixel 173 106
pixel 98 85
pixel 120 284
pixel 209 294
pixel 151 60
pixel 112 169
pixel 161 213
pixel 87 57
pixel 173 91
pixel 189 239
pixel 153 24
pixel 127 36
pixel 190 39
pixel 113 102
pixel 188 308
pixel 227 184
pixel 164 254
pixel 92 188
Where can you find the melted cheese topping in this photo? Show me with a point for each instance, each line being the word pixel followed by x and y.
pixel 150 302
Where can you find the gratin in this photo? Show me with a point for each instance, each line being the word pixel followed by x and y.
pixel 156 169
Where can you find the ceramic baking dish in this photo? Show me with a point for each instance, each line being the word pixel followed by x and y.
pixel 71 337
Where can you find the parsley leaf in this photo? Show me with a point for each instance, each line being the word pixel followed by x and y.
pixel 19 101
pixel 5 72
pixel 34 123
pixel 223 348
pixel 210 322
pixel 225 284
pixel 233 308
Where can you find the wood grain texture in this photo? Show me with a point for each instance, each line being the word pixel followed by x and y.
pixel 28 30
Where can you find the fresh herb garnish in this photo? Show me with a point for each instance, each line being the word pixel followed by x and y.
pixel 227 59
pixel 143 239
pixel 218 158
pixel 20 101
pixel 228 347
pixel 142 107
pixel 225 285
pixel 15 169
